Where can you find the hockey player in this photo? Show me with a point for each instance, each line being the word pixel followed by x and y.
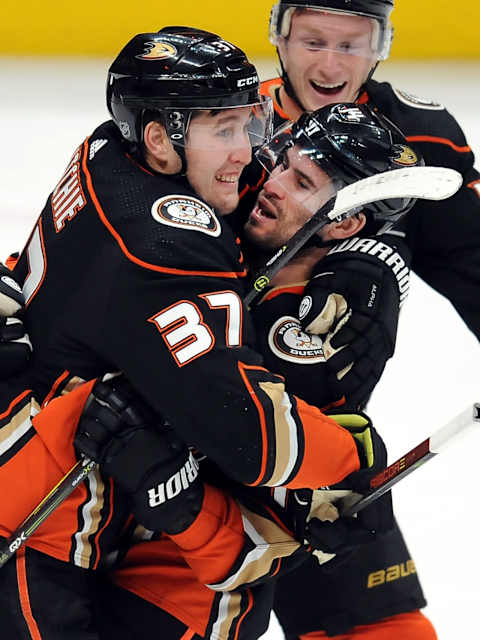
pixel 309 600
pixel 322 151
pixel 131 268
pixel 328 51
pixel 341 140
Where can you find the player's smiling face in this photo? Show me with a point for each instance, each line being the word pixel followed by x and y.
pixel 327 56
pixel 218 149
pixel 293 193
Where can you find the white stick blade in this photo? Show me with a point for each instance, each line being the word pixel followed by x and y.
pixel 468 420
pixel 429 183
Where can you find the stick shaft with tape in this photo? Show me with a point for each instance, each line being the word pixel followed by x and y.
pixel 57 495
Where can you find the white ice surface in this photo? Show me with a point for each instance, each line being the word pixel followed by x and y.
pixel 47 108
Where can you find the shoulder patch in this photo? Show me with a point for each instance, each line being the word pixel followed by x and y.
pixel 288 342
pixel 186 212
pixel 418 103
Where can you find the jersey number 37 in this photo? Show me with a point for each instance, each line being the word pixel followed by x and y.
pixel 187 335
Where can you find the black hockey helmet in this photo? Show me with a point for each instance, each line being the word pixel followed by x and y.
pixel 348 142
pixel 171 73
pixel 379 10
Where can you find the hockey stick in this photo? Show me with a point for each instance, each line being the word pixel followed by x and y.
pixel 462 424
pixel 57 495
pixel 430 183
pixel 434 183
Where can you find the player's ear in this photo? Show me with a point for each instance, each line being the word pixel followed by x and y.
pixel 347 228
pixel 160 153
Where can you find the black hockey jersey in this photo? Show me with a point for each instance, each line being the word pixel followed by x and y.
pixel 127 270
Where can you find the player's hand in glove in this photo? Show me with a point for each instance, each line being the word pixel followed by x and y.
pixel 324 529
pixel 15 346
pixel 354 299
pixel 143 455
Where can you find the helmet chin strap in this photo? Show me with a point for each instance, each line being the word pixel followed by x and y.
pixel 316 241
pixel 138 152
pixel 370 74
pixel 181 153
pixel 288 85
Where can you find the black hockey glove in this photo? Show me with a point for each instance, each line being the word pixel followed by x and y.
pixel 145 457
pixel 354 299
pixel 15 346
pixel 323 529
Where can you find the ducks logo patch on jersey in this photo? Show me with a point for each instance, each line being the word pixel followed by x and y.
pixel 186 212
pixel 416 102
pixel 288 342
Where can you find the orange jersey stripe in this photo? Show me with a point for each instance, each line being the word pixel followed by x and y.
pixel 436 140
pixel 334 404
pixel 279 564
pixel 11 261
pixel 24 595
pixel 144 169
pixel 14 402
pixel 261 414
pixel 254 187
pixel 249 608
pixel 273 516
pixel 363 98
pixel 55 386
pixel 278 291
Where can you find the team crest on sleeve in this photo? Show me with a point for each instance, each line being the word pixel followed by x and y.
pixel 416 102
pixel 288 342
pixel 186 212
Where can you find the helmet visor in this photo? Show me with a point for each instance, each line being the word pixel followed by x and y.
pixel 247 126
pixel 353 34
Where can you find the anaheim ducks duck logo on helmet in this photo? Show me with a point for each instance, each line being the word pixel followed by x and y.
pixel 404 155
pixel 157 50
